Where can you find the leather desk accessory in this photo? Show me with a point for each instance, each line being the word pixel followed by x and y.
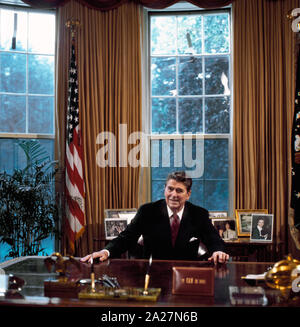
pixel 193 281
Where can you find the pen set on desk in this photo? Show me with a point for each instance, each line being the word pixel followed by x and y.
pixel 108 288
pixel 92 276
pixel 147 277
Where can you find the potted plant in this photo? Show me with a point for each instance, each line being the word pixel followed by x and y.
pixel 28 209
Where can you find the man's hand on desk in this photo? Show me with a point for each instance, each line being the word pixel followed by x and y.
pixel 102 255
pixel 219 257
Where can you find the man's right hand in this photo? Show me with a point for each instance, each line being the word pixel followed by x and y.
pixel 102 255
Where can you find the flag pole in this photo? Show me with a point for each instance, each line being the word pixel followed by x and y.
pixel 74 181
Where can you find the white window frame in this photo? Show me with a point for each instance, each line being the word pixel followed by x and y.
pixel 146 103
pixel 22 7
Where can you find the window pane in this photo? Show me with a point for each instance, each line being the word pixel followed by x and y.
pixel 190 76
pixel 13 157
pixel 8 158
pixel 158 188
pixel 216 195
pixel 163 115
pixel 216 75
pixel 49 146
pixel 216 30
pixel 8 19
pixel 41 74
pixel 41 36
pixel 190 115
pixel 12 114
pixel 168 155
pixel 163 38
pixel 190 34
pixel 41 114
pixel 216 152
pixel 197 196
pixel 163 76
pixel 13 72
pixel 217 115
pixel 193 157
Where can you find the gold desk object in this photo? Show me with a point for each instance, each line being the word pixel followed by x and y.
pixel 283 273
pixel 64 285
pixel 125 293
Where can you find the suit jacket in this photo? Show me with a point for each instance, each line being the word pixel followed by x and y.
pixel 152 221
pixel 259 236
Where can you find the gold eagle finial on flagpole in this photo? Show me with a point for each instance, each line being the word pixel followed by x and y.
pixel 73 24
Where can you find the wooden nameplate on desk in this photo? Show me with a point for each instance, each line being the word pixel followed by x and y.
pixel 193 281
pixel 123 294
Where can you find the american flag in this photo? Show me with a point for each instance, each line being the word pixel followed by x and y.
pixel 75 190
pixel 295 198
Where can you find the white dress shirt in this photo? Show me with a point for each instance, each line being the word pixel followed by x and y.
pixel 179 213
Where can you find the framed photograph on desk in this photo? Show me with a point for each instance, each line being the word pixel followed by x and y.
pixel 244 219
pixel 116 220
pixel 217 214
pixel 120 213
pixel 226 228
pixel 262 228
pixel 114 226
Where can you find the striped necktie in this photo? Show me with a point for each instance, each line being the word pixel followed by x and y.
pixel 174 227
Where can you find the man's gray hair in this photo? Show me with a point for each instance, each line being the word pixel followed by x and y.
pixel 182 177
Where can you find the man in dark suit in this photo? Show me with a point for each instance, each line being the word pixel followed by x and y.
pixel 172 228
pixel 258 231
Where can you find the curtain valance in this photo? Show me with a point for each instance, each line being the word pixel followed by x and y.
pixel 112 4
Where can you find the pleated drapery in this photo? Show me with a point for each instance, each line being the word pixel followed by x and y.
pixel 109 77
pixel 264 83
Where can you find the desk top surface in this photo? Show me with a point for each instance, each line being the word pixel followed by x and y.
pixel 131 273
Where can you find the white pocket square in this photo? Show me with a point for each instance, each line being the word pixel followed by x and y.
pixel 193 239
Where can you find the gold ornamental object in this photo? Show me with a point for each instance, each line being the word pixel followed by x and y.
pixel 283 273
pixel 61 264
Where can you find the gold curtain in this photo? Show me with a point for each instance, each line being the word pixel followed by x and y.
pixel 109 77
pixel 264 77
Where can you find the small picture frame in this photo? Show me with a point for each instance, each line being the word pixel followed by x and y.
pixel 120 213
pixel 244 218
pixel 226 228
pixel 262 228
pixel 114 226
pixel 217 214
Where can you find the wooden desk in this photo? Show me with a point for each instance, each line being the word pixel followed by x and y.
pixel 131 273
pixel 243 249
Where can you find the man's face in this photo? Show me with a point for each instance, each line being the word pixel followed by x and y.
pixel 260 223
pixel 176 194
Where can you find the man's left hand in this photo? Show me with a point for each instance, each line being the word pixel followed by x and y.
pixel 219 257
